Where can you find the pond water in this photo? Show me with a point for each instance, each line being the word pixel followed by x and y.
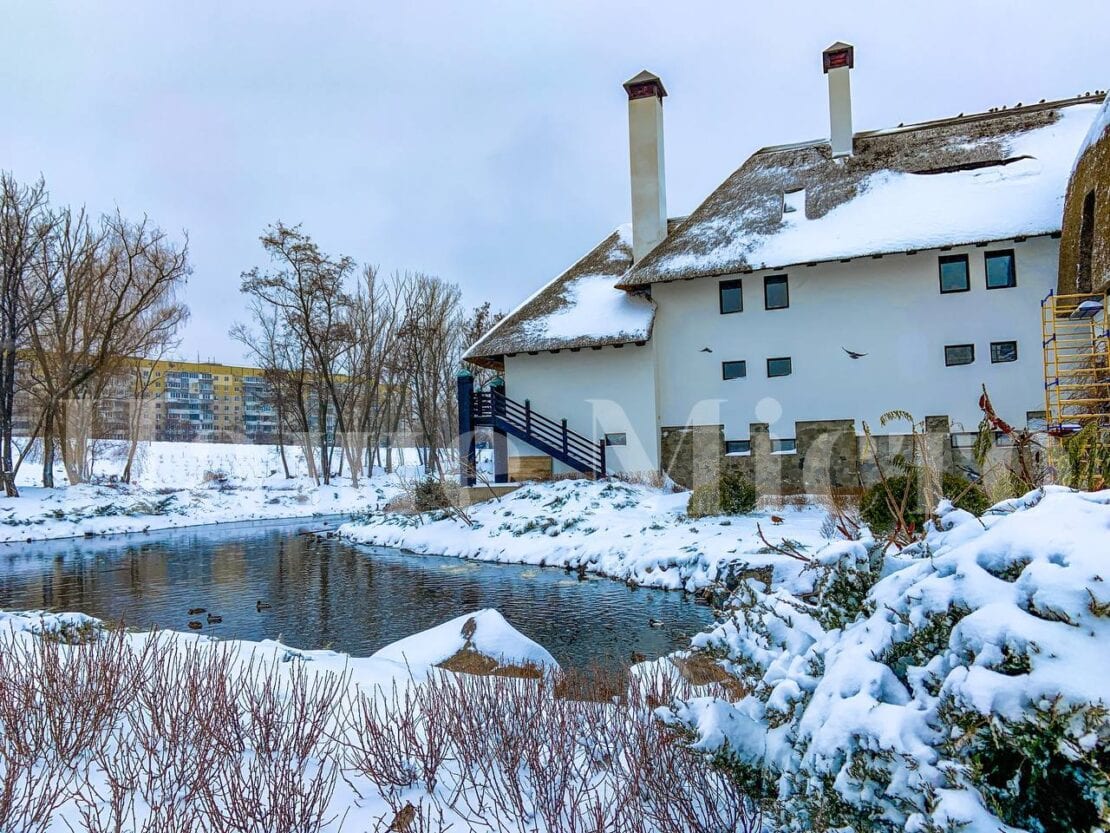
pixel 325 593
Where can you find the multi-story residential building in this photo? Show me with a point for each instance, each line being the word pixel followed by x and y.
pixel 183 402
pixel 210 402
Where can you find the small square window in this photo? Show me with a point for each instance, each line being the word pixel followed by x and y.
pixel 784 446
pixel 776 292
pixel 1003 351
pixel 1001 273
pixel 734 370
pixel 779 367
pixel 616 439
pixel 731 296
pixel 738 446
pixel 956 354
pixel 954 274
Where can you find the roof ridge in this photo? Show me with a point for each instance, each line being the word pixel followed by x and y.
pixel 970 118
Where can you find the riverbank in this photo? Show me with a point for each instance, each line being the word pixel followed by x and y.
pixel 107 509
pixel 629 532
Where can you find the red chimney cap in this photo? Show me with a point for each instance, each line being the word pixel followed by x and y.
pixel 838 55
pixel 644 85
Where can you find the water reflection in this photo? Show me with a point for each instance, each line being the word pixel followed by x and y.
pixel 325 593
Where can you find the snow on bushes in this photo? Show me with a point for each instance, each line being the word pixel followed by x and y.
pixel 968 690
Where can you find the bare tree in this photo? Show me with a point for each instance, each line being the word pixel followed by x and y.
pixel 109 290
pixel 25 222
pixel 308 289
pixel 429 347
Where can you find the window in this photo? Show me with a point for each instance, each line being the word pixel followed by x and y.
pixel 956 354
pixel 1086 243
pixel 616 439
pixel 1000 269
pixel 731 296
pixel 738 446
pixel 965 440
pixel 1003 351
pixel 779 367
pixel 784 446
pixel 776 292
pixel 954 274
pixel 734 370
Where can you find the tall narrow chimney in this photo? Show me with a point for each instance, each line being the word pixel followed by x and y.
pixel 838 61
pixel 645 146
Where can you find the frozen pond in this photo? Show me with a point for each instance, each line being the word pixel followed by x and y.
pixel 324 593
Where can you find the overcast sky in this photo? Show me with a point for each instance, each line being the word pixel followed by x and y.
pixel 483 142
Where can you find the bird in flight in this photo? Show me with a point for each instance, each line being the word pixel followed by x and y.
pixel 706 350
pixel 852 354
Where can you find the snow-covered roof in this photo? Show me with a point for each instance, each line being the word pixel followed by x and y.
pixel 1097 129
pixel 580 308
pixel 968 179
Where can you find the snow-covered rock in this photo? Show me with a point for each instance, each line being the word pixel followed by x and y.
pixel 485 632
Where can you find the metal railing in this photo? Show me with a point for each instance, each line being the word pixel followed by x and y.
pixel 549 436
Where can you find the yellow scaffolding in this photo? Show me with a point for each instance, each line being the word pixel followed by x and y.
pixel 1075 332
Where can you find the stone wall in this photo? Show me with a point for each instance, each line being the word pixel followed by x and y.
pixel 829 455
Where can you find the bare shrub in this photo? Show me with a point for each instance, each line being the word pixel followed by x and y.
pixel 157 733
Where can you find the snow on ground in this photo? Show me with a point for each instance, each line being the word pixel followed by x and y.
pixel 169 464
pixel 182 484
pixel 993 637
pixel 629 532
pixel 86 509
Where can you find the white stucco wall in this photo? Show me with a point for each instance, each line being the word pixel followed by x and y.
pixel 602 391
pixel 890 308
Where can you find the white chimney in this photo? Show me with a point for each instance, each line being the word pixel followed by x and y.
pixel 645 146
pixel 838 61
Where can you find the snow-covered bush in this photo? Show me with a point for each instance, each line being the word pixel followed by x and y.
pixel 430 493
pixel 730 494
pixel 875 504
pixel 970 693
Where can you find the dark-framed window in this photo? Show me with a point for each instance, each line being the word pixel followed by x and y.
pixel 776 292
pixel 738 446
pixel 781 366
pixel 734 370
pixel 955 273
pixel 616 439
pixel 1001 269
pixel 957 354
pixel 787 446
pixel 1003 351
pixel 731 296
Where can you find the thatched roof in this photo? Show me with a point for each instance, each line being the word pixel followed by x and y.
pixel 580 308
pixel 1091 176
pixel 988 176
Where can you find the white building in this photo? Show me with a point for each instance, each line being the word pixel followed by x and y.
pixel 821 285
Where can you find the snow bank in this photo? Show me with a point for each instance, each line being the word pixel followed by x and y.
pixel 991 646
pixel 88 510
pixel 633 533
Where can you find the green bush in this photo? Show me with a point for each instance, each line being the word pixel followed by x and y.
pixel 875 510
pixel 730 494
pixel 430 494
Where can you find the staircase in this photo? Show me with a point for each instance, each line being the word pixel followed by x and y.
pixel 517 419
